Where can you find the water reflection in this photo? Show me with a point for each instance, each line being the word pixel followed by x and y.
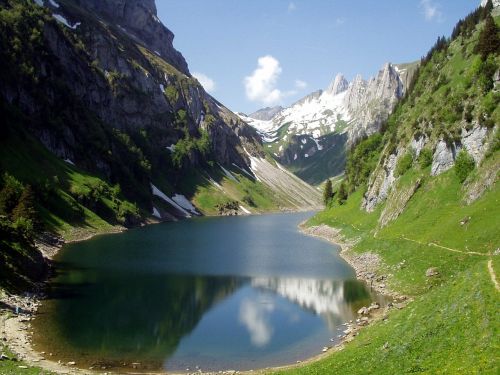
pixel 334 300
pixel 255 316
pixel 264 296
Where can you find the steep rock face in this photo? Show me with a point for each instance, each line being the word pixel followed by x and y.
pixel 139 18
pixel 444 157
pixel 371 103
pixel 474 141
pixel 381 182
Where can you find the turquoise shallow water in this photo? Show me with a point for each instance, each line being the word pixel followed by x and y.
pixel 218 293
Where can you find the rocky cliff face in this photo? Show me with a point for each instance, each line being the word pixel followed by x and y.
pixel 370 103
pixel 139 19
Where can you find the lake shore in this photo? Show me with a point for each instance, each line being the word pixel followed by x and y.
pixel 16 330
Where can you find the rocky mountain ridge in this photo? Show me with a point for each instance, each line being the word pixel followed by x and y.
pixel 306 128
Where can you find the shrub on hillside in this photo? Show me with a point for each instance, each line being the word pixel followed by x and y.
pixel 425 158
pixel 404 163
pixel 464 165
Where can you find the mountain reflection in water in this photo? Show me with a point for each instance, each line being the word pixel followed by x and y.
pixel 264 296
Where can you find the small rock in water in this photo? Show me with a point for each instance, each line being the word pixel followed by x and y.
pixel 325 349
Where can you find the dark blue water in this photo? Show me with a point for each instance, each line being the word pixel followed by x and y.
pixel 217 293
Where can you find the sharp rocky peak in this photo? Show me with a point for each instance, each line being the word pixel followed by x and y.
pixel 338 85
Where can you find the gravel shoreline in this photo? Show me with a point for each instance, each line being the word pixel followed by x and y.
pixel 366 265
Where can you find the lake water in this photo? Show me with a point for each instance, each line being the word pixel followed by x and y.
pixel 218 293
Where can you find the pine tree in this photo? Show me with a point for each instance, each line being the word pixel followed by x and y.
pixel 342 193
pixel 489 39
pixel 328 192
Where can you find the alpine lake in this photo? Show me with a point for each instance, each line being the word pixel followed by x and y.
pixel 213 294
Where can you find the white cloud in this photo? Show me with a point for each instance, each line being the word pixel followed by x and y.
pixel 261 85
pixel 299 84
pixel 431 10
pixel 255 317
pixel 207 82
pixel 292 7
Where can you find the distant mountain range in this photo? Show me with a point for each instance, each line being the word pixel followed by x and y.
pixel 310 136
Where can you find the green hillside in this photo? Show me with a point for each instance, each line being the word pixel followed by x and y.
pixel 447 222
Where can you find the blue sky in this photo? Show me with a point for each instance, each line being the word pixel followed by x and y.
pixel 254 53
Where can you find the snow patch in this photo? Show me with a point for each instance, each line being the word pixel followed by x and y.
pixel 54 4
pixel 243 170
pixel 162 88
pixel 306 155
pixel 158 53
pixel 295 157
pixel 39 2
pixel 244 210
pixel 317 144
pixel 69 161
pixel 215 183
pixel 65 22
pixel 162 195
pixel 156 213
pixel 228 174
pixel 304 141
pixel 171 147
pixel 182 201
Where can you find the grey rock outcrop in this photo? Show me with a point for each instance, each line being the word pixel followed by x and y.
pixel 444 157
pixel 381 182
pixel 418 144
pixel 474 141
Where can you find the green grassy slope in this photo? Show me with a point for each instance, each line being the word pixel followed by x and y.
pixel 452 326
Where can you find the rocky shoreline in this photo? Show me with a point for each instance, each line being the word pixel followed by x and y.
pixel 17 311
pixel 366 265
